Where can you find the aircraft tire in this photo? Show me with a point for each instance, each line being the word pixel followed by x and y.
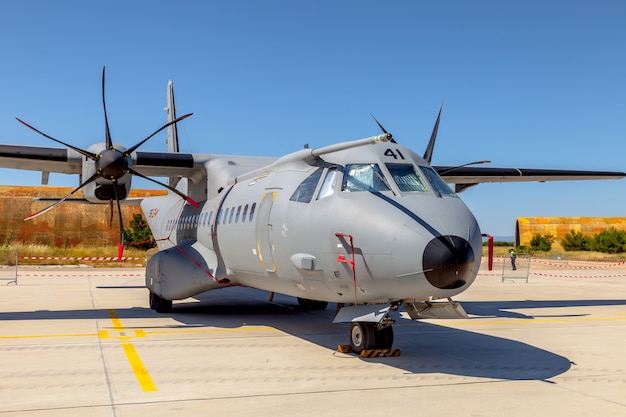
pixel 362 336
pixel 384 338
pixel 160 305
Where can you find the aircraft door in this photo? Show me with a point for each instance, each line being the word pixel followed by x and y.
pixel 263 232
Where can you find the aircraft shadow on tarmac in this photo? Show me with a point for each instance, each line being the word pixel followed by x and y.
pixel 426 348
pixel 504 308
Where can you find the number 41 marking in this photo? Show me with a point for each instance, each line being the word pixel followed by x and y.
pixel 395 154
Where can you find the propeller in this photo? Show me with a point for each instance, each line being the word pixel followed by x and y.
pixel 381 127
pixel 428 155
pixel 111 164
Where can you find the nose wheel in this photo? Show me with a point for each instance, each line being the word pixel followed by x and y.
pixel 160 305
pixel 368 336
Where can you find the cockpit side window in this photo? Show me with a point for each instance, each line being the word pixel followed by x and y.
pixel 407 178
pixel 436 182
pixel 363 177
pixel 304 192
pixel 328 185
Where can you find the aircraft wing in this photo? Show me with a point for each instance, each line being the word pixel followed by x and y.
pixel 67 161
pixel 464 177
pixel 38 158
pixel 151 164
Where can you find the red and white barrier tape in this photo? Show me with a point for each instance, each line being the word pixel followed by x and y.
pixel 80 275
pixel 559 264
pixel 59 258
pixel 541 274
pixel 567 266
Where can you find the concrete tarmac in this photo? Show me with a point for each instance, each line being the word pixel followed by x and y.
pixel 83 342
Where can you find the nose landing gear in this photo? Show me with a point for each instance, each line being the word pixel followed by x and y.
pixel 369 336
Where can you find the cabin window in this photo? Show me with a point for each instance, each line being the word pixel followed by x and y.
pixel 407 178
pixel 252 211
pixel 436 182
pixel 245 212
pixel 232 214
pixel 238 214
pixel 364 177
pixel 328 186
pixel 304 192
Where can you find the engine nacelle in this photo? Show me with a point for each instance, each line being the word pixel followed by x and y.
pixel 101 190
pixel 178 273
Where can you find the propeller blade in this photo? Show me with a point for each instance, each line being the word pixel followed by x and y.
pixel 109 142
pixel 172 189
pixel 178 119
pixel 382 128
pixel 120 243
pixel 89 155
pixel 378 123
pixel 90 180
pixel 428 155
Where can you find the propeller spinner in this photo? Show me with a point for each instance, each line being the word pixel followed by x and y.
pixel 111 164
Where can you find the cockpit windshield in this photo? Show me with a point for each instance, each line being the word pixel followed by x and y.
pixel 436 182
pixel 364 177
pixel 407 178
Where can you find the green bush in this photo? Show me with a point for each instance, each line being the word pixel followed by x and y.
pixel 610 241
pixel 541 242
pixel 576 241
pixel 139 235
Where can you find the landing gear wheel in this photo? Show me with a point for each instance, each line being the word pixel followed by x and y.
pixel 160 305
pixel 312 304
pixel 384 338
pixel 362 336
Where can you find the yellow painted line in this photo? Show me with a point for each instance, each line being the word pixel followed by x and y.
pixel 141 373
pixel 474 321
pixel 477 321
pixel 109 334
pixel 138 368
pixel 47 336
pixel 117 323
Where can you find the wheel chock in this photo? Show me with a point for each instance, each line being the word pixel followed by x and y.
pixel 380 353
pixel 344 349
pixel 371 353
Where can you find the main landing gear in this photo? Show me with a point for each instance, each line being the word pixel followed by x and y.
pixel 368 336
pixel 160 305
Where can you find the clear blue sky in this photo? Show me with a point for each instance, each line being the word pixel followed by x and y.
pixel 537 84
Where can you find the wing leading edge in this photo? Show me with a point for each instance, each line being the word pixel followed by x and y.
pixel 464 177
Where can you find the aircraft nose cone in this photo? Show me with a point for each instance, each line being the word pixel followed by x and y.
pixel 448 262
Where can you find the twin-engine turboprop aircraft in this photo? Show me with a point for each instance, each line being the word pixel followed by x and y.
pixel 368 224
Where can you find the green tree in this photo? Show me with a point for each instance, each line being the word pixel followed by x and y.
pixel 541 242
pixel 139 234
pixel 611 240
pixel 575 240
